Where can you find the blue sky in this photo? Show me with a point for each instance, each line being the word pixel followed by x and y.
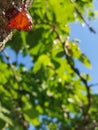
pixel 88 45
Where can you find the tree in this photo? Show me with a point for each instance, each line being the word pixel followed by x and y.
pixel 52 94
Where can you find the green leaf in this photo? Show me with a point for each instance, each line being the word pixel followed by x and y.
pixel 85 60
pixel 6 119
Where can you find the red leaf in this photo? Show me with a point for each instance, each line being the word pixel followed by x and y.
pixel 19 19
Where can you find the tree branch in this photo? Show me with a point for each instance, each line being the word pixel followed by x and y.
pixel 84 81
pixel 18 102
pixel 83 19
pixel 11 65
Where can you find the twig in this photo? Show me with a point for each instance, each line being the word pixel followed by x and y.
pixel 10 64
pixel 84 81
pixel 93 85
pixel 22 120
pixel 84 20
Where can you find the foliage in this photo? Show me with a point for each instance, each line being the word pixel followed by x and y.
pixel 52 94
